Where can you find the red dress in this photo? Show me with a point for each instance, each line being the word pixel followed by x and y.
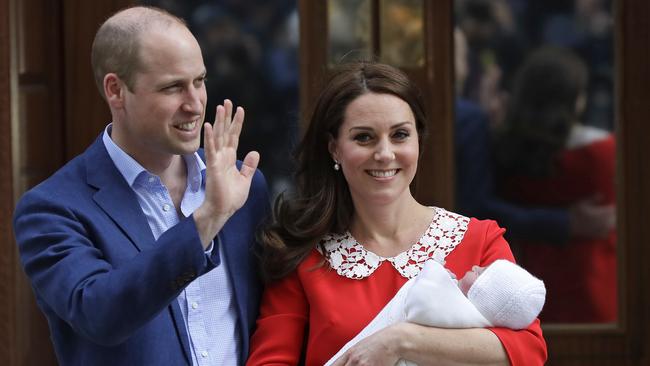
pixel 580 275
pixel 326 306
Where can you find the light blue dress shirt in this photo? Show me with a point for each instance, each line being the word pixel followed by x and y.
pixel 207 303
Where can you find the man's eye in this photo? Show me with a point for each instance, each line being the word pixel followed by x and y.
pixel 172 88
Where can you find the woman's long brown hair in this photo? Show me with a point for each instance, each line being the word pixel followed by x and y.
pixel 321 202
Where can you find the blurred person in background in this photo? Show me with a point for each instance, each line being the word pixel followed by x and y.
pixel 546 155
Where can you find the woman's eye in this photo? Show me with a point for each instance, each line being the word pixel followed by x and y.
pixel 401 135
pixel 362 137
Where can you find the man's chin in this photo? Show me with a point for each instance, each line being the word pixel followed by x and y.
pixel 187 148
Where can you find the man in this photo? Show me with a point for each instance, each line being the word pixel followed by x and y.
pixel 139 253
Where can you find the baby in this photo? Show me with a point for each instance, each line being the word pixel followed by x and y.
pixel 499 295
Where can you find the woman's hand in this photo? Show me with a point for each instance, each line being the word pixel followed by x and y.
pixel 424 345
pixel 380 348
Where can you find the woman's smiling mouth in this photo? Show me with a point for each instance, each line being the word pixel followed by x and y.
pixel 382 173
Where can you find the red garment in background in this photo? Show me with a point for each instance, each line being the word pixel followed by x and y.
pixel 580 276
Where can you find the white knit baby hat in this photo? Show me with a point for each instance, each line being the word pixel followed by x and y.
pixel 508 295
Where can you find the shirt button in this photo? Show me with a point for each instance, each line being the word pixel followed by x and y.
pixel 151 179
pixel 195 305
pixel 166 207
pixel 204 353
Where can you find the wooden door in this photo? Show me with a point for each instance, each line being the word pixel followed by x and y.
pixel 49 112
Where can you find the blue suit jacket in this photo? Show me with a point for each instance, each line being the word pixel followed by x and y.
pixel 107 288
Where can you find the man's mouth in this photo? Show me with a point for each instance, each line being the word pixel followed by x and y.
pixel 187 126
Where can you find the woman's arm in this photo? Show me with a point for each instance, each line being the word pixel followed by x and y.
pixel 278 338
pixel 427 346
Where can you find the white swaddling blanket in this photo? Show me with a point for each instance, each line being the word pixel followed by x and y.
pixel 432 298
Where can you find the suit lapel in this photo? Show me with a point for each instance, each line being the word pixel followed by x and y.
pixel 115 196
pixel 235 262
pixel 179 321
pixel 119 202
pixel 233 255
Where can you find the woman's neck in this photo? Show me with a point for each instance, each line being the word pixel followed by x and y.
pixel 390 229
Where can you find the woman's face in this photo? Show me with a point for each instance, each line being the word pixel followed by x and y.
pixel 377 148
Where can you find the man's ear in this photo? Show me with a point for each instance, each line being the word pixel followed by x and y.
pixel 114 90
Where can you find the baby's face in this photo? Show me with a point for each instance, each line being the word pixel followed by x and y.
pixel 468 279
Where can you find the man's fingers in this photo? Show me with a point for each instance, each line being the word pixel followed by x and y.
pixel 249 164
pixel 208 139
pixel 235 128
pixel 225 134
pixel 219 126
pixel 228 106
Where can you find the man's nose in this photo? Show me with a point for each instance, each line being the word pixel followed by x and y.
pixel 193 102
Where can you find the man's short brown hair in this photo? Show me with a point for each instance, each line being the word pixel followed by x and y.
pixel 117 42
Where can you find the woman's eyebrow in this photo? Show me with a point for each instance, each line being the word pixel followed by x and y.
pixel 367 128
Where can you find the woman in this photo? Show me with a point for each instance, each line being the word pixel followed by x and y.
pixel 546 156
pixel 353 235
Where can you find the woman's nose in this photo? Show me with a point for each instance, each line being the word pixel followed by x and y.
pixel 384 152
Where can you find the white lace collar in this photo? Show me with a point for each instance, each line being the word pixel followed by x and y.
pixel 350 259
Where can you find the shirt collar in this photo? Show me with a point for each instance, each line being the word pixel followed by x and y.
pixel 131 169
pixel 195 171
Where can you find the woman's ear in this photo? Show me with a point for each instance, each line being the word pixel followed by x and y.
pixel 331 147
pixel 114 89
